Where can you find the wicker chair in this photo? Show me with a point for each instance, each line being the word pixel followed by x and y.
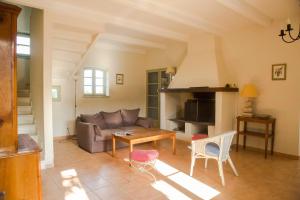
pixel 214 148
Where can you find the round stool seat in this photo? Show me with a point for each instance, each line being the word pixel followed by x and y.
pixel 199 136
pixel 144 155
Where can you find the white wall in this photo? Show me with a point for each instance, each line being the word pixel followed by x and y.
pixel 24 20
pixel 130 95
pixel 36 70
pixel 64 110
pixel 23 72
pixel 249 55
pixel 173 55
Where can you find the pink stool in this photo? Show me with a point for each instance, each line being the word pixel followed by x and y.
pixel 144 160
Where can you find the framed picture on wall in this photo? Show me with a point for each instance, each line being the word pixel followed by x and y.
pixel 120 79
pixel 56 93
pixel 279 72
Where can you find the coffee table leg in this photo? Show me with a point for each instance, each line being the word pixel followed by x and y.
pixel 155 143
pixel 113 146
pixel 130 150
pixel 174 144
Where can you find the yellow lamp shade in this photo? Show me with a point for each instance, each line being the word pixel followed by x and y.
pixel 249 90
pixel 171 70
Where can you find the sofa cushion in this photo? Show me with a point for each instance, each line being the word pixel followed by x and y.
pixel 130 116
pixel 94 119
pixel 106 134
pixel 144 122
pixel 113 119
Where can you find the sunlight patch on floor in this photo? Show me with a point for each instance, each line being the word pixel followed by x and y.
pixel 72 186
pixel 164 168
pixel 169 191
pixel 196 187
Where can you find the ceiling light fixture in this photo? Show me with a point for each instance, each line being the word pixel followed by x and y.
pixel 288 30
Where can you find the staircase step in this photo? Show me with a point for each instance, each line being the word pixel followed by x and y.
pixel 23 93
pixel 25 119
pixel 35 138
pixel 24 110
pixel 27 129
pixel 24 101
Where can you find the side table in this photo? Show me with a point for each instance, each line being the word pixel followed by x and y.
pixel 266 134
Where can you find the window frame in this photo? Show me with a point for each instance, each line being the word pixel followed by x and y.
pixel 105 83
pixel 20 34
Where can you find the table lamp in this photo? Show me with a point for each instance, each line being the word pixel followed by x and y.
pixel 249 91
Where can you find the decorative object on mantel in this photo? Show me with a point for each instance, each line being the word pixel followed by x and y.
pixel 249 91
pixel 120 79
pixel 279 72
pixel 171 71
pixel 288 30
pixel 227 85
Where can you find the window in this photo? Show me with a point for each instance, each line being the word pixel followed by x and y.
pixel 23 44
pixel 95 82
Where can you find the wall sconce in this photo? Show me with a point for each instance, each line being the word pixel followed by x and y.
pixel 171 71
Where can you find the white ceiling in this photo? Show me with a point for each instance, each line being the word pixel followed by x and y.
pixel 139 25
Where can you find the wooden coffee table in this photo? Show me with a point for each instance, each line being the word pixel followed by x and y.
pixel 142 136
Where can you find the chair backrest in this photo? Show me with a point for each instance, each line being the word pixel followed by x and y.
pixel 226 140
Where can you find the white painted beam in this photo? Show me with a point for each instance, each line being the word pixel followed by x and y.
pixel 84 56
pixel 247 11
pixel 172 14
pixel 107 46
pixel 132 41
pixel 92 20
pixel 56 63
pixel 72 36
pixel 68 45
pixel 66 56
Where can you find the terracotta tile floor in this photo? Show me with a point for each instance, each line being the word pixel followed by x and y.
pixel 78 175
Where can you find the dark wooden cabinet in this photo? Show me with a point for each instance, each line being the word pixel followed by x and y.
pixel 19 154
pixel 8 85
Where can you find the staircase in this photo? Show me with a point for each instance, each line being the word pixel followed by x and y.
pixel 26 124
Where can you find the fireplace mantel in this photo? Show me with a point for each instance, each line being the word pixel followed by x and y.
pixel 199 89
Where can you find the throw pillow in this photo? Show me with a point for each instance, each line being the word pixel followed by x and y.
pixel 94 119
pixel 113 119
pixel 130 116
pixel 144 122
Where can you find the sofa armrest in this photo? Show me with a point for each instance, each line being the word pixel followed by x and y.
pixel 144 122
pixel 85 135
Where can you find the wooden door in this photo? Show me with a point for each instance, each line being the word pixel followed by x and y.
pixel 156 79
pixel 8 85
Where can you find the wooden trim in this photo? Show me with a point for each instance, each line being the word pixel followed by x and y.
pixel 10 8
pixel 199 89
pixel 60 138
pixel 284 155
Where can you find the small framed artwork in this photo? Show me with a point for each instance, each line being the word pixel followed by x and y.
pixel 120 79
pixel 56 93
pixel 279 72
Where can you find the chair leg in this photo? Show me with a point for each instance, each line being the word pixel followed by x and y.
pixel 221 172
pixel 232 166
pixel 192 165
pixel 206 159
